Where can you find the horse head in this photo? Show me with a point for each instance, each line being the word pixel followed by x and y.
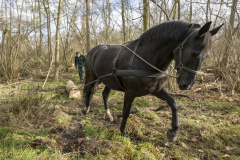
pixel 190 54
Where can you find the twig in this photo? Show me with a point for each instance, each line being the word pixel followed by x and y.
pixel 167 16
pixel 48 72
pixel 180 95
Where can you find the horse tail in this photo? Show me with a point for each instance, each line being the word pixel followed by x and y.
pixel 88 90
pixel 90 76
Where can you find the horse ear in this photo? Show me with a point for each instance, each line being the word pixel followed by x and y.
pixel 204 29
pixel 215 30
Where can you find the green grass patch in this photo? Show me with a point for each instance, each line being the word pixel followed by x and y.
pixel 93 131
pixel 141 102
pixel 15 144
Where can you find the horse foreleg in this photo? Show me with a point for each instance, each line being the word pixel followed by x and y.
pixel 172 133
pixel 105 95
pixel 128 99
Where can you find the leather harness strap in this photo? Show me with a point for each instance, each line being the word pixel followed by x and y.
pixel 114 71
pixel 133 56
pixel 178 52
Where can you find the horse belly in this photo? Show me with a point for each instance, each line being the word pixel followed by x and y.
pixel 113 84
pixel 142 85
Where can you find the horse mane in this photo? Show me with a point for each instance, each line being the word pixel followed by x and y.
pixel 176 30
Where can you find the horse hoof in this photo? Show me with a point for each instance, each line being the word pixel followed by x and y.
pixel 109 119
pixel 172 137
pixel 124 134
pixel 85 111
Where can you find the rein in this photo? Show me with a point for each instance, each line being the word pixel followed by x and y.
pixel 116 72
pixel 148 62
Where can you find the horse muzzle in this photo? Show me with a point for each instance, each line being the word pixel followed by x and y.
pixel 185 87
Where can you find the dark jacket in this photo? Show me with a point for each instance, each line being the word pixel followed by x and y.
pixel 79 61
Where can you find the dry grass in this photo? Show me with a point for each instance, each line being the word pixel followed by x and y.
pixel 52 126
pixel 28 110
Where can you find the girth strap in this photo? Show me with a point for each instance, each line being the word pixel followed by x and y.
pixel 114 71
pixel 115 62
pixel 136 73
pixel 132 58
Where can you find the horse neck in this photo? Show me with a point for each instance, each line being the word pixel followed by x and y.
pixel 158 53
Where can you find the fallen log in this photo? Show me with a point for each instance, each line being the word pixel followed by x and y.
pixel 72 90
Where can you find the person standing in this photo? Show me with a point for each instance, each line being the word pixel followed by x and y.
pixel 79 64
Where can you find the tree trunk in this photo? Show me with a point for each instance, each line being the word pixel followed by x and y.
pixel 88 25
pixel 145 15
pixel 225 61
pixel 123 21
pixel 179 10
pixel 40 29
pixel 56 72
pixel 190 14
pixel 208 4
pixel 174 10
pixel 47 10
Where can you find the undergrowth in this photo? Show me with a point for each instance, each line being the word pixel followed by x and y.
pixel 37 123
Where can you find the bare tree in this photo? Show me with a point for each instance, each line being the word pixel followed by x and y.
pixel 56 72
pixel 47 10
pixel 40 29
pixel 190 14
pixel 207 9
pixel 88 25
pixel 145 15
pixel 179 9
pixel 123 21
pixel 225 59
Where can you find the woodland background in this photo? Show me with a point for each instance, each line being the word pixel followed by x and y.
pixel 44 33
pixel 38 41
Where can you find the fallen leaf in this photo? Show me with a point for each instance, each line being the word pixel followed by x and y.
pixel 184 145
pixel 194 139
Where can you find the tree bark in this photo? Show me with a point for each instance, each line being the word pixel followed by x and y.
pixel 40 29
pixel 145 15
pixel 174 9
pixel 56 72
pixel 190 14
pixel 179 9
pixel 47 10
pixel 123 21
pixel 207 9
pixel 225 60
pixel 88 25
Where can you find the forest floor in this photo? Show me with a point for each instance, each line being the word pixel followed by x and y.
pixel 38 123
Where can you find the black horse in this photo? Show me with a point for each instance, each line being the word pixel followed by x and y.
pixel 186 43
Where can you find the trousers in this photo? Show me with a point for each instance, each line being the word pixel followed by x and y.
pixel 81 72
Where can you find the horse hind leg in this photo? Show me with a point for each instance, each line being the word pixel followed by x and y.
pixel 88 91
pixel 105 95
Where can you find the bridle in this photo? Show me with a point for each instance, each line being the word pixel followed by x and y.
pixel 179 64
